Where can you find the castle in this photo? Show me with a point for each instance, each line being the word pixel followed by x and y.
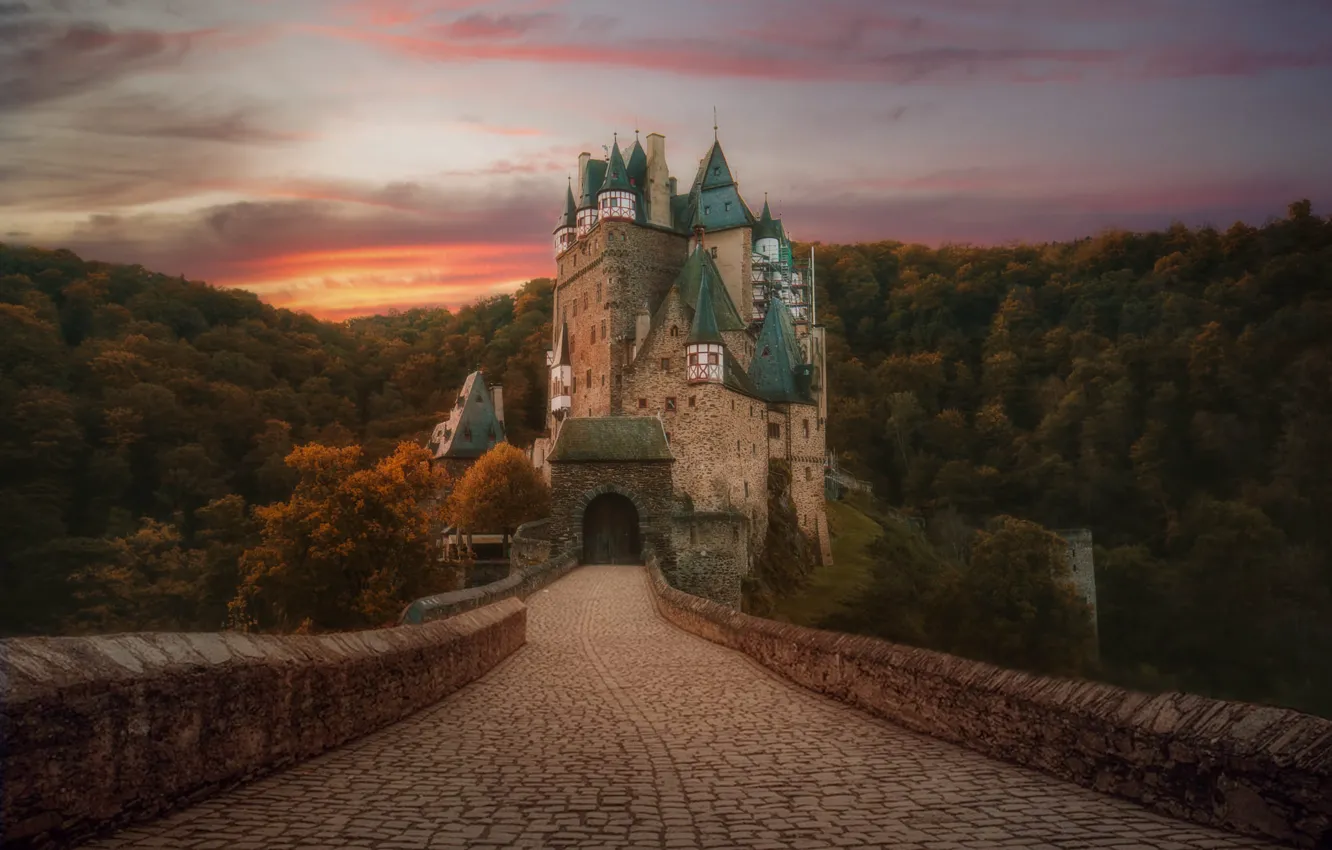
pixel 685 359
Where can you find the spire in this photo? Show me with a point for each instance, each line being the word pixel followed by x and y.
pixel 704 328
pixel 767 213
pixel 617 176
pixel 768 227
pixel 714 123
pixel 636 166
pixel 570 208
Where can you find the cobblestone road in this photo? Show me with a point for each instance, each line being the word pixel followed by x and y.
pixel 614 729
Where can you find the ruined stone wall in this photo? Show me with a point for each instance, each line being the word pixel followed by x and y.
pixel 101 731
pixel 805 441
pixel 1082 564
pixel 711 555
pixel 1255 769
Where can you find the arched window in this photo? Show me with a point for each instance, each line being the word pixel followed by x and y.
pixel 675 331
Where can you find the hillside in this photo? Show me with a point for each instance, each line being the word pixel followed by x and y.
pixel 1171 391
pixel 150 412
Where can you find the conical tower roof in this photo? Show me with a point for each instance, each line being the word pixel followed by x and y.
pixel 767 226
pixel 617 176
pixel 777 358
pixel 570 209
pixel 704 328
pixel 636 167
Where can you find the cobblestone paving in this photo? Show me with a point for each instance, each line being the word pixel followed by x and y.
pixel 614 729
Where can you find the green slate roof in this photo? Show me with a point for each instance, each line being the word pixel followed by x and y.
pixel 592 180
pixel 778 369
pixel 570 209
pixel 610 439
pixel 713 170
pixel 617 177
pixel 636 166
pixel 767 226
pixel 472 427
pixel 704 327
pixel 734 377
pixel 690 278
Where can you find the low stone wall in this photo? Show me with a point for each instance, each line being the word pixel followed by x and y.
pixel 520 583
pixel 1253 769
pixel 100 731
pixel 530 545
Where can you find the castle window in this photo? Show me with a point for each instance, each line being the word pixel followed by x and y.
pixel 598 293
pixel 603 328
pixel 737 447
pixel 753 449
pixel 713 358
pixel 593 333
pixel 714 252
pixel 806 423
pixel 675 331
pixel 603 380
pixel 746 489
pixel 691 401
pixel 733 405
pixel 665 364
pixel 774 430
pixel 584 300
pixel 642 404
pixel 589 379
pixel 693 536
pixel 808 473
pixel 574 388
pixel 670 403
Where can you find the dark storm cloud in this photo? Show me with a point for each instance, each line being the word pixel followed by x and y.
pixel 43 60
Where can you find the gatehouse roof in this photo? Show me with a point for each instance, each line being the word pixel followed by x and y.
pixel 610 439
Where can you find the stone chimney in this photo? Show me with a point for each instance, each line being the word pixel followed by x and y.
pixel 658 181
pixel 497 398
pixel 583 159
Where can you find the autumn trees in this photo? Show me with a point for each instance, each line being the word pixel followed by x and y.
pixel 498 493
pixel 136 406
pixel 351 546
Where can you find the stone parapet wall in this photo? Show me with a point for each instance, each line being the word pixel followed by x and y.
pixel 519 584
pixel 1254 769
pixel 531 544
pixel 101 731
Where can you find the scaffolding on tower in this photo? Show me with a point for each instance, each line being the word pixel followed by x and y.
pixel 780 275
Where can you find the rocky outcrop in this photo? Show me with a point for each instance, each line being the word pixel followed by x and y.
pixel 99 731
pixel 1253 769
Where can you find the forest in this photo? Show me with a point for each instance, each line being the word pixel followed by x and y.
pixel 1171 391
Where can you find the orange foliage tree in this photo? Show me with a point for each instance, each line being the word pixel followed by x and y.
pixel 349 548
pixel 499 492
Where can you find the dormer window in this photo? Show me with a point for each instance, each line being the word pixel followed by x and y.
pixel 716 171
pixel 707 210
pixel 728 206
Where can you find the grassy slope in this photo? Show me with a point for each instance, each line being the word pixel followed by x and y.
pixel 852 532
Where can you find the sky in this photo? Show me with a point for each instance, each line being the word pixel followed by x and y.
pixel 347 157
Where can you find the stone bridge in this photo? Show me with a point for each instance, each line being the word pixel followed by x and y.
pixel 597 715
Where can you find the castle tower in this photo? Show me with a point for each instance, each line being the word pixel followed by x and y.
pixel 616 200
pixel 591 174
pixel 658 190
pixel 768 234
pixel 637 167
pixel 705 349
pixel 564 228
pixel 561 376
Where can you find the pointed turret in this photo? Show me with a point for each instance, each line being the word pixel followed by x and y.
pixel 636 167
pixel 779 370
pixel 565 228
pixel 768 233
pixel 705 351
pixel 617 199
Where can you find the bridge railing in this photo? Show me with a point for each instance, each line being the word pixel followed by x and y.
pixel 97 732
pixel 1255 769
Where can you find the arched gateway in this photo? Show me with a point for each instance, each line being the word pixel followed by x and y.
pixel 610 531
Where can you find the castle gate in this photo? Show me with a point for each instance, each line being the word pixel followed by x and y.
pixel 610 531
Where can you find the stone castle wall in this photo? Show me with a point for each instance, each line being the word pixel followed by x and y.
pixel 101 731
pixel 711 556
pixel 1255 769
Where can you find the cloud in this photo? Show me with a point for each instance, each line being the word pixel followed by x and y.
pixel 17 8
pixel 481 25
pixel 42 60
